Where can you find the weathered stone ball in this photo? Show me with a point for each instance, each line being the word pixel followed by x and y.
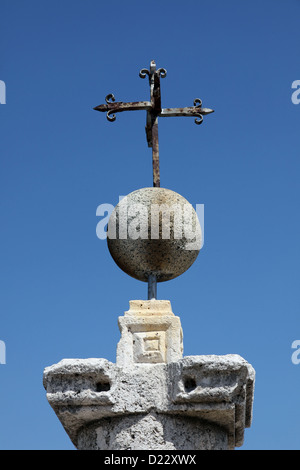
pixel 154 231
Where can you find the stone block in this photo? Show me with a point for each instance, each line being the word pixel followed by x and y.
pixel 150 333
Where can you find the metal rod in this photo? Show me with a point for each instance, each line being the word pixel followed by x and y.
pixel 155 154
pixel 152 287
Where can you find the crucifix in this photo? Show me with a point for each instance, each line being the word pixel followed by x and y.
pixel 154 110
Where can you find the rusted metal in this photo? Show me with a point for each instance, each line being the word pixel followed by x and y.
pixel 154 110
pixel 155 153
pixel 152 119
pixel 118 107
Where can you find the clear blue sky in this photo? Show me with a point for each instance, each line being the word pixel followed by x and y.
pixel 61 292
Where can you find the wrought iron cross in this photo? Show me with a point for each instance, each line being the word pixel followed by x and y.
pixel 154 110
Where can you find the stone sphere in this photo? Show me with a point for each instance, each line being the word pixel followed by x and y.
pixel 154 231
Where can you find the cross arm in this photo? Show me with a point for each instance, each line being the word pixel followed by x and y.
pixel 112 107
pixel 197 111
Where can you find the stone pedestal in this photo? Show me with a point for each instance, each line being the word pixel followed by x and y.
pixel 150 334
pixel 152 398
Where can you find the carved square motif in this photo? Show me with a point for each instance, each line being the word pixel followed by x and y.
pixel 149 347
pixel 151 344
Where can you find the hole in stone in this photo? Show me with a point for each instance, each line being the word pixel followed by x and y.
pixel 102 386
pixel 190 384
